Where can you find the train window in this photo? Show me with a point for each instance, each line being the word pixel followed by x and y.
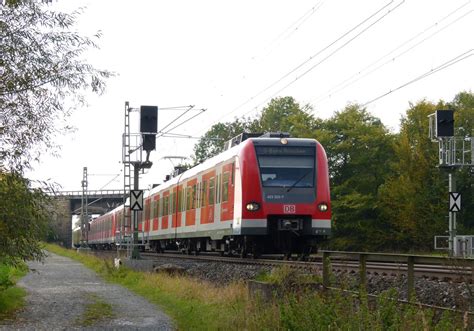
pixel 157 208
pixel 286 166
pixel 166 208
pixel 212 190
pixel 194 197
pixel 233 173
pixel 218 189
pixel 204 193
pixel 172 201
pixel 173 206
pixel 198 195
pixel 188 198
pixel 225 187
pixel 147 210
pixel 180 200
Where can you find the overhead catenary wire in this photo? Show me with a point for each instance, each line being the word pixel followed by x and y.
pixel 189 108
pixel 293 27
pixel 328 56
pixel 313 56
pixel 178 135
pixel 161 133
pixel 176 107
pixel 110 181
pixel 285 34
pixel 357 76
pixel 447 64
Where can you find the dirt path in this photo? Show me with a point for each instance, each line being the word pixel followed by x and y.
pixel 65 295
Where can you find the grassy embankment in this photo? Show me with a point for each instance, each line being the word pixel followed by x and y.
pixel 198 305
pixel 11 297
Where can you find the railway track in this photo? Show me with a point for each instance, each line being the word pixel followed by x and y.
pixel 456 273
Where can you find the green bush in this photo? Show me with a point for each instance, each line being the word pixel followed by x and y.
pixel 11 297
pixel 5 278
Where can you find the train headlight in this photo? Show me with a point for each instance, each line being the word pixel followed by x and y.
pixel 252 206
pixel 284 141
pixel 323 206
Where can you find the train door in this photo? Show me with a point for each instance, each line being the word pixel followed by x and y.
pixel 165 211
pixel 156 209
pixel 173 207
pixel 227 192
pixel 146 220
pixel 208 197
pixel 180 206
pixel 191 188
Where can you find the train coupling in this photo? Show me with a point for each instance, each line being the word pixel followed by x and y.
pixel 290 224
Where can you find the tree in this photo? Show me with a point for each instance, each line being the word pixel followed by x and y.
pixel 285 115
pixel 212 143
pixel 280 115
pixel 42 78
pixel 23 219
pixel 413 199
pixel 359 150
pixel 41 73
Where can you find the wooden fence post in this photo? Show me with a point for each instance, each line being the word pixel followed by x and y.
pixel 326 266
pixel 363 272
pixel 411 278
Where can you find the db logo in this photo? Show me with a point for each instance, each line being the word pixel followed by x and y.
pixel 289 209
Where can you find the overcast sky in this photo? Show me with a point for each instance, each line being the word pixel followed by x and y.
pixel 232 57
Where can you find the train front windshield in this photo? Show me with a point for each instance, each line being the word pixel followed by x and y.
pixel 286 166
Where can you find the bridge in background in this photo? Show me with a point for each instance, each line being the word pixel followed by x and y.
pixel 98 201
pixel 68 203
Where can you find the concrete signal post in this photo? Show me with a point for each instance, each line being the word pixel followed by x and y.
pixel 145 141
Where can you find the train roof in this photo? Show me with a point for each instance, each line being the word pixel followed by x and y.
pixel 209 163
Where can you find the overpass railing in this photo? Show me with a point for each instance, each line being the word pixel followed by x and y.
pixel 89 193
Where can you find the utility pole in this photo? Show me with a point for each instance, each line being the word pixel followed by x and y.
pixel 84 210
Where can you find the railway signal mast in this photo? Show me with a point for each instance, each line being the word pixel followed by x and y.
pixel 454 152
pixel 84 210
pixel 133 146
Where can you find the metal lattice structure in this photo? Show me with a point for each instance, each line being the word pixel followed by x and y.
pixel 453 153
pixel 125 220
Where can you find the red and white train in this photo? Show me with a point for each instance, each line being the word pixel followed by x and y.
pixel 265 194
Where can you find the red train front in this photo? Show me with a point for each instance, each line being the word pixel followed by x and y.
pixel 284 187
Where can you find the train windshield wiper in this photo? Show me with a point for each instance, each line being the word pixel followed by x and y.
pixel 299 179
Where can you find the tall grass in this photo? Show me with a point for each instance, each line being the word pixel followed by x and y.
pixel 199 305
pixel 11 297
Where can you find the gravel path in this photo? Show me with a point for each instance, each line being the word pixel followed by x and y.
pixel 60 292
